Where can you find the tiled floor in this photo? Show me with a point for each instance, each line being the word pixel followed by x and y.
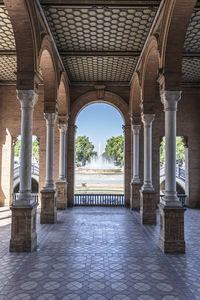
pixel 100 253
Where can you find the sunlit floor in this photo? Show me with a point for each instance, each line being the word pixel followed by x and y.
pixel 100 253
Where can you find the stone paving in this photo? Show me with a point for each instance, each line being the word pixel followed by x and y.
pixel 100 253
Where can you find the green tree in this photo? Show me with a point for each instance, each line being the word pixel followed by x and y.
pixel 17 148
pixel 180 150
pixel 35 149
pixel 84 150
pixel 115 150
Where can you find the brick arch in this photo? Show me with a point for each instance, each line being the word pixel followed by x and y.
pixel 27 38
pixel 63 99
pixel 176 19
pixel 77 106
pixel 47 63
pixel 92 97
pixel 149 74
pixel 135 98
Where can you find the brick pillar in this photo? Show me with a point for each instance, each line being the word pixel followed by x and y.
pixel 7 168
pixel 127 163
pixel 70 163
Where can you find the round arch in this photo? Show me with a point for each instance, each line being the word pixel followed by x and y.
pixel 81 102
pixel 149 73
pixel 92 97
pixel 47 63
pixel 135 97
pixel 63 99
pixel 27 37
pixel 176 19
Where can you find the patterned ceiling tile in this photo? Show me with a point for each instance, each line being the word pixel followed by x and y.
pixel 8 65
pixel 100 28
pixel 190 70
pixel 192 40
pixel 100 68
pixel 7 40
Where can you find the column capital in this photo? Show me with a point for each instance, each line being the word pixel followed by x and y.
pixel 135 119
pixel 136 129
pixel 147 119
pixel 27 98
pixel 50 118
pixel 170 100
pixel 62 127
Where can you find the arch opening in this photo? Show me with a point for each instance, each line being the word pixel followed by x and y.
pixel 181 166
pixel 34 166
pixel 99 150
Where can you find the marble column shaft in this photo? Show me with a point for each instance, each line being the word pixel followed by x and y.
pixel 62 130
pixel 27 98
pixel 147 120
pixel 50 123
pixel 170 100
pixel 136 136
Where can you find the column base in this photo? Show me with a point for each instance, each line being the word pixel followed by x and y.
pixel 48 207
pixel 23 229
pixel 171 238
pixel 148 207
pixel 61 199
pixel 135 195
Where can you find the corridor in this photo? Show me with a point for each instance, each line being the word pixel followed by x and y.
pixel 100 253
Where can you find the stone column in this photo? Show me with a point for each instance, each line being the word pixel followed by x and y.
pixel 23 230
pixel 135 183
pixel 48 193
pixel 127 163
pixel 61 184
pixel 70 163
pixel 171 239
pixel 147 194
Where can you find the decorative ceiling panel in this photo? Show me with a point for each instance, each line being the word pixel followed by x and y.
pixel 96 68
pixel 192 40
pixel 8 67
pixel 190 70
pixel 7 40
pixel 99 28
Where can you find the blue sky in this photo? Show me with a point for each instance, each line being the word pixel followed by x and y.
pixel 99 122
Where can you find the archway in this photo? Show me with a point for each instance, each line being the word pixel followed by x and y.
pixel 99 156
pixel 81 102
pixel 181 166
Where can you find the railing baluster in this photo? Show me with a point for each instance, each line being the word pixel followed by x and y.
pixel 93 199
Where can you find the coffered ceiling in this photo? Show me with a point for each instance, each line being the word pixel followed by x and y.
pixel 100 41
